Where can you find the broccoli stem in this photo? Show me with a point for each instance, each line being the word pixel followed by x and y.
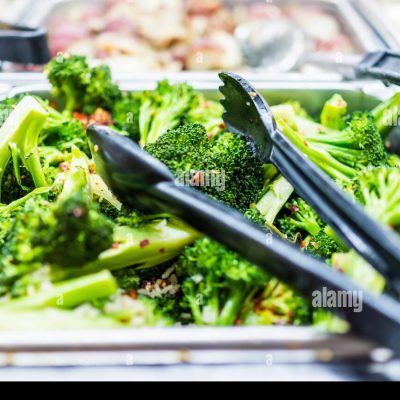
pixel 22 128
pixel 386 115
pixel 6 209
pixel 276 197
pixel 333 113
pixel 67 294
pixel 144 247
pixel 231 307
pixel 322 158
pixel 52 319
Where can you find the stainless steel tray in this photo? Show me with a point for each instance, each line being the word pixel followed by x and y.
pixel 364 38
pixel 253 345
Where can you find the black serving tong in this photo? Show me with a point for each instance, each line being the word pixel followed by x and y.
pixel 23 45
pixel 139 179
pixel 248 114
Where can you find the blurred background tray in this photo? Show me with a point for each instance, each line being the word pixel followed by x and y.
pixel 156 36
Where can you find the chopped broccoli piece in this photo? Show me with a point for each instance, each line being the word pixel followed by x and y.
pixel 83 88
pixel 341 154
pixel 334 112
pixel 377 189
pixel 387 115
pixel 322 245
pixel 300 218
pixel 216 282
pixel 359 270
pixel 164 109
pixel 275 304
pixel 209 114
pixel 125 114
pixel 19 139
pixel 226 159
pixel 67 294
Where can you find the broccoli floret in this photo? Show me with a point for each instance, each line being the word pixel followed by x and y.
pixel 300 217
pixel 83 88
pixel 63 132
pixel 254 215
pixel 224 167
pixel 216 282
pixel 69 76
pixel 238 170
pixel 341 154
pixel 321 245
pixel 19 139
pixel 182 149
pixel 67 233
pixel 275 304
pixel 377 189
pixel 101 91
pixel 164 109
pixel 125 114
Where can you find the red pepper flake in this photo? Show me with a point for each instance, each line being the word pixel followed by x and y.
pixel 77 212
pixel 82 118
pixel 293 209
pixel 222 125
pixel 92 168
pixel 162 250
pixel 206 104
pixel 133 294
pixel 144 243
pixel 101 117
pixel 303 244
pixel 64 166
pixel 115 245
pixel 198 178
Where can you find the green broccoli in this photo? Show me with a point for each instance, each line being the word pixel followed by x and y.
pixel 63 132
pixel 83 88
pixel 68 233
pixel 334 112
pixel 275 304
pixel 377 189
pixel 19 139
pixel 387 115
pixel 125 114
pixel 207 113
pixel 341 154
pixel 224 167
pixel 300 217
pixel 216 282
pixel 164 109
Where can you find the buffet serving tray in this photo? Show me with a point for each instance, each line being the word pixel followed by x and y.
pixel 195 344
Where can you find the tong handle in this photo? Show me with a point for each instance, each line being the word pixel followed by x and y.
pixel 383 65
pixel 346 217
pixel 23 45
